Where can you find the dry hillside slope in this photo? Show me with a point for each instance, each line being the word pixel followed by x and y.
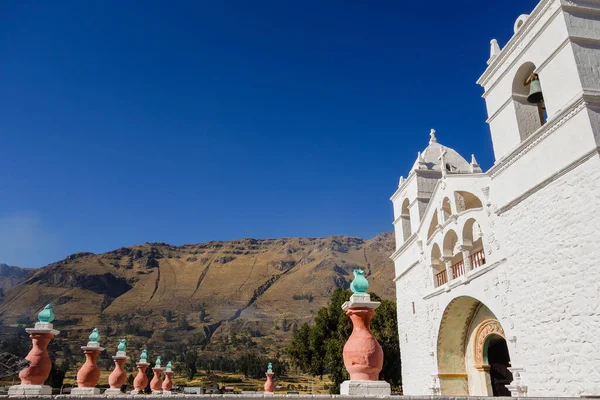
pixel 219 288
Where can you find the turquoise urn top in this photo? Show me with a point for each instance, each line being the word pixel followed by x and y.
pixel 169 366
pixel 122 345
pixel 144 356
pixel 270 367
pixel 46 315
pixel 360 284
pixel 95 336
pixel 157 365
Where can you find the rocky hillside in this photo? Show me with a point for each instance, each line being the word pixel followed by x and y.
pixel 203 294
pixel 12 276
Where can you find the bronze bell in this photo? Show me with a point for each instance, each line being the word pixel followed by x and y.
pixel 535 90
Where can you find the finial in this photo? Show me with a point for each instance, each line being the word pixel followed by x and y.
pixel 270 367
pixel 420 161
pixel 494 50
pixel 144 356
pixel 122 345
pixel 157 364
pixel 94 336
pixel 475 168
pixel 401 181
pixel 46 315
pixel 432 138
pixel 169 367
pixel 360 284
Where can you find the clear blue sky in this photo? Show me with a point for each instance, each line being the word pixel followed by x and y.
pixel 124 122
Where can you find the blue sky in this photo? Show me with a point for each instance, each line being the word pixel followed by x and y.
pixel 183 122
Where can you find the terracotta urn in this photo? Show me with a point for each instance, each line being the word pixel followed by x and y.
pixel 118 377
pixel 141 380
pixel 167 383
pixel 156 382
pixel 39 360
pixel 89 373
pixel 363 356
pixel 269 385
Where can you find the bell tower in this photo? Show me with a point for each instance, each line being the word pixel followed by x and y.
pixel 542 93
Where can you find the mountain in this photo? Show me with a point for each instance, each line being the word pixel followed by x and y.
pixel 203 294
pixel 11 276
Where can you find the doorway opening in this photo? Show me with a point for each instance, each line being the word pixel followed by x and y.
pixel 499 362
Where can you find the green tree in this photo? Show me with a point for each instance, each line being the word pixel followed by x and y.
pixel 189 366
pixel 317 349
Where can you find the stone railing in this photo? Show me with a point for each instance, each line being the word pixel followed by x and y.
pixel 271 397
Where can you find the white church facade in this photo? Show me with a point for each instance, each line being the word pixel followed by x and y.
pixel 498 272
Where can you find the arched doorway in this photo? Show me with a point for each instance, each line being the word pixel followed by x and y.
pixel 472 354
pixel 499 361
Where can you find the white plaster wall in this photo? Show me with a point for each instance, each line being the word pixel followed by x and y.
pixel 559 149
pixel 415 332
pixel 544 290
pixel 551 241
pixel 505 130
pixel 560 80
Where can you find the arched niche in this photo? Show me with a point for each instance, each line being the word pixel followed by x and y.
pixel 466 201
pixel 405 217
pixel 433 225
pixel 446 209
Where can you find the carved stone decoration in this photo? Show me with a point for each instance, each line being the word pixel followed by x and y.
pixel 484 330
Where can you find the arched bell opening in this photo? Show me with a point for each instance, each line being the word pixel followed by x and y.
pixel 528 100
pixel 405 217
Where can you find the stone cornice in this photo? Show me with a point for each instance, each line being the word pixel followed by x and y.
pixel 518 42
pixel 464 279
pixel 407 243
pixel 401 274
pixel 542 133
pixel 589 7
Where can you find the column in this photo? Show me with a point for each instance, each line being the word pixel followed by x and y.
pixel 363 356
pixel 33 377
pixel 466 253
pixel 448 263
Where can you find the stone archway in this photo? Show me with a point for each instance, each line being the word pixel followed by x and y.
pixel 467 330
pixel 491 358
